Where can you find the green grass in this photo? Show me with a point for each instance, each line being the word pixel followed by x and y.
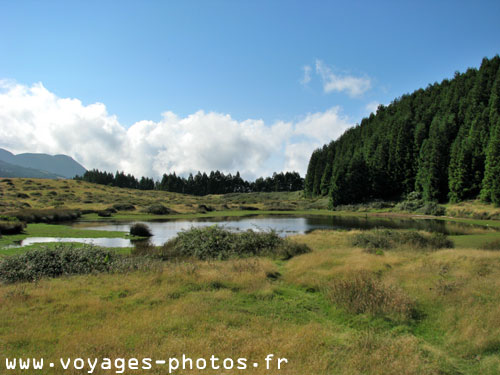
pixel 474 241
pixel 255 306
pixel 233 308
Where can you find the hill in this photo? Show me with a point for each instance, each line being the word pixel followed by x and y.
pixel 11 170
pixel 442 141
pixel 55 165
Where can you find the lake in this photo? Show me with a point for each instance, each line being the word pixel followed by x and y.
pixel 285 225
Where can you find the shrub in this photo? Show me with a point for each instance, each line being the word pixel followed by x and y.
pixel 158 209
pixel 205 243
pixel 215 242
pixel 432 208
pixel 104 213
pixel 248 208
pixel 202 208
pixel 11 227
pixel 123 207
pixel 62 260
pixel 415 203
pixel 361 293
pixel 46 216
pixel 141 230
pixel 387 239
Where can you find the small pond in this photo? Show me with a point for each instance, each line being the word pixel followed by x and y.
pixel 284 225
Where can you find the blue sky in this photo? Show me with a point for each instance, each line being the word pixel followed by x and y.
pixel 243 59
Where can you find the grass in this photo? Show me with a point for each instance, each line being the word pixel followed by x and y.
pixel 255 306
pixel 21 194
pixel 335 310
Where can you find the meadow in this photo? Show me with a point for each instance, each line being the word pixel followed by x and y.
pixel 358 302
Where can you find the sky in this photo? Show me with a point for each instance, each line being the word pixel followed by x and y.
pixel 153 87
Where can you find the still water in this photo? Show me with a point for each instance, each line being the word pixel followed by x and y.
pixel 284 225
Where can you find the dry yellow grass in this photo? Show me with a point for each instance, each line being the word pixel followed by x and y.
pixel 233 309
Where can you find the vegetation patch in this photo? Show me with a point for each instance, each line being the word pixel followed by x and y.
pixel 104 213
pixel 362 293
pixel 46 216
pixel 364 207
pixel 63 260
pixel 388 239
pixel 11 225
pixel 124 207
pixel 158 209
pixel 141 230
pixel 215 242
pixel 493 245
pixel 415 203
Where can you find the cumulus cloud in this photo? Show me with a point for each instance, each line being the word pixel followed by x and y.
pixel 354 86
pixel 32 119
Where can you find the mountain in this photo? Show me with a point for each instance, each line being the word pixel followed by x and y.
pixel 56 166
pixel 442 142
pixel 11 170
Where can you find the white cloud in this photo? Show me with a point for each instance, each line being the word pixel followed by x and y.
pixel 316 129
pixel 372 107
pixel 32 119
pixel 307 75
pixel 354 86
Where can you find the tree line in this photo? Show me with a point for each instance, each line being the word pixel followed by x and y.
pixel 442 141
pixel 200 184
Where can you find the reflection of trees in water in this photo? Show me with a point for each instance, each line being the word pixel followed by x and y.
pixel 353 222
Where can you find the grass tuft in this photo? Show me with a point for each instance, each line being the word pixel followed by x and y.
pixel 362 293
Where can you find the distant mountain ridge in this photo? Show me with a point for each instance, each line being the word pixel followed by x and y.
pixel 38 165
pixel 11 170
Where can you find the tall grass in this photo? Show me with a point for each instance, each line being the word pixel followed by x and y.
pixel 387 239
pixel 361 293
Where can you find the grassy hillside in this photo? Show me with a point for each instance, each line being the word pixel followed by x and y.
pixel 18 193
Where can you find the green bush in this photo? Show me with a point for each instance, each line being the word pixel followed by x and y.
pixel 11 226
pixel 158 209
pixel 387 239
pixel 215 242
pixel 415 203
pixel 431 208
pixel 123 207
pixel 46 216
pixel 104 213
pixel 141 230
pixel 62 260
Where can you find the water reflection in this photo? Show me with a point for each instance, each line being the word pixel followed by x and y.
pixel 284 225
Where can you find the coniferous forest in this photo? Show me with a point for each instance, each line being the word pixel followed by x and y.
pixel 442 141
pixel 215 182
